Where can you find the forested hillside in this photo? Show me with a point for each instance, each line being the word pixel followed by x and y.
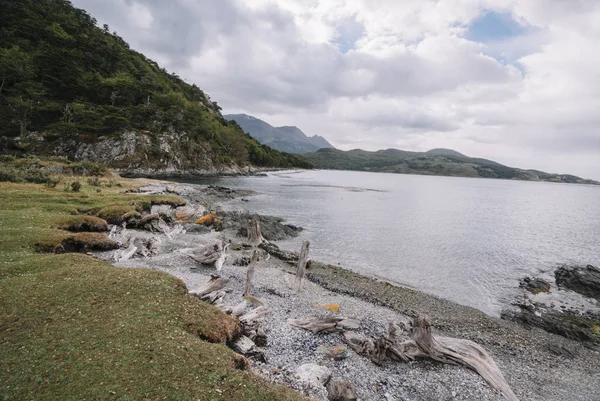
pixel 73 83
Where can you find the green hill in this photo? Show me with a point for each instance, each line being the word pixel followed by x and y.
pixel 445 162
pixel 68 87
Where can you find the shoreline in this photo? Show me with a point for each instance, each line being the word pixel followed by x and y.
pixel 525 355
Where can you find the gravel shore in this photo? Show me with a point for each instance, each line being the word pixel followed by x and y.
pixel 537 365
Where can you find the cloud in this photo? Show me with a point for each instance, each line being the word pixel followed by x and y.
pixel 511 80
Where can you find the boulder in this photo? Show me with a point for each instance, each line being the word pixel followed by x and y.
pixel 341 390
pixel 335 352
pixel 535 285
pixel 583 280
pixel 161 209
pixel 314 374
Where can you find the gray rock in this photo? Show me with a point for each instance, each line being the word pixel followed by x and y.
pixel 243 345
pixel 335 352
pixel 534 285
pixel 341 390
pixel 161 209
pixel 196 228
pixel 314 374
pixel 584 280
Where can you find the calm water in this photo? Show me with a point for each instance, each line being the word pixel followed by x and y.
pixel 467 240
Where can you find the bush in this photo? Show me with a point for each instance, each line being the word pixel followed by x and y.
pixel 94 181
pixel 76 186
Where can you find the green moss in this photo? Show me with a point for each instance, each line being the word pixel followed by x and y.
pixel 83 223
pixel 115 214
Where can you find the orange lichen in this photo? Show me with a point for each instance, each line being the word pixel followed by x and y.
pixel 332 307
pixel 207 219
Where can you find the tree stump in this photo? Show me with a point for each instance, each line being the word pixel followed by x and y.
pixel 255 237
pixel 250 273
pixel 303 259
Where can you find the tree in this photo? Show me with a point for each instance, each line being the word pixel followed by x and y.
pixel 15 66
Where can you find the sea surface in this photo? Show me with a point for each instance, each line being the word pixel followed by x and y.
pixel 464 239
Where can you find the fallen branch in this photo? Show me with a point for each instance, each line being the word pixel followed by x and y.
pixel 215 283
pixel 329 324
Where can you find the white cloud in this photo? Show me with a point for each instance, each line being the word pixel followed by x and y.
pixel 405 76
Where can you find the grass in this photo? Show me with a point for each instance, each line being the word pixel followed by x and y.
pixel 73 327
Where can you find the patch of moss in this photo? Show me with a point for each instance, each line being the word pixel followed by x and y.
pixel 83 223
pixel 173 201
pixel 115 214
pixel 85 242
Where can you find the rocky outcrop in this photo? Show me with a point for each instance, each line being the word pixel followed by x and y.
pixel 138 153
pixel 535 285
pixel 584 280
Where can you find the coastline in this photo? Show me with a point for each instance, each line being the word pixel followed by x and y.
pixel 529 358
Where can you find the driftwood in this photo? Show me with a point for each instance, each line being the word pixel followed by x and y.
pixel 407 342
pixel 250 273
pixel 255 237
pixel 272 249
pixel 125 254
pixel 301 266
pixel 253 325
pixel 329 324
pixel 215 283
pixel 169 232
pixel 212 255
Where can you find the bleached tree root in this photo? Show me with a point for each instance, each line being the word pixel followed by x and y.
pixel 407 342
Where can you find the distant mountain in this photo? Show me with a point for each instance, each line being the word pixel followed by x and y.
pixel 445 162
pixel 284 139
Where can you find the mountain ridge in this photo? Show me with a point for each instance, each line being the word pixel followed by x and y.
pixel 439 161
pixel 287 138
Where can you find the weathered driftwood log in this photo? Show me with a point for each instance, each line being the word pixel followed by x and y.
pixel 272 249
pixel 404 343
pixel 125 254
pixel 215 297
pixel 250 273
pixel 303 259
pixel 215 283
pixel 253 325
pixel 329 324
pixel 255 237
pixel 212 255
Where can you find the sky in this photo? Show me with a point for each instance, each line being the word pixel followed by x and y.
pixel 515 81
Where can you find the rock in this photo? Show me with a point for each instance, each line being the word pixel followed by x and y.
pixel 341 390
pixel 535 285
pixel 207 219
pixel 158 209
pixel 272 228
pixel 243 345
pixel 583 280
pixel 567 324
pixel 242 261
pixel 335 352
pixel 314 374
pixel 196 228
pixel 146 221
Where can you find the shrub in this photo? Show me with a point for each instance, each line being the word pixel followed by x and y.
pixel 94 181
pixel 76 186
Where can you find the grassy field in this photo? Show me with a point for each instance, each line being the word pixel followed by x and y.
pixel 76 328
